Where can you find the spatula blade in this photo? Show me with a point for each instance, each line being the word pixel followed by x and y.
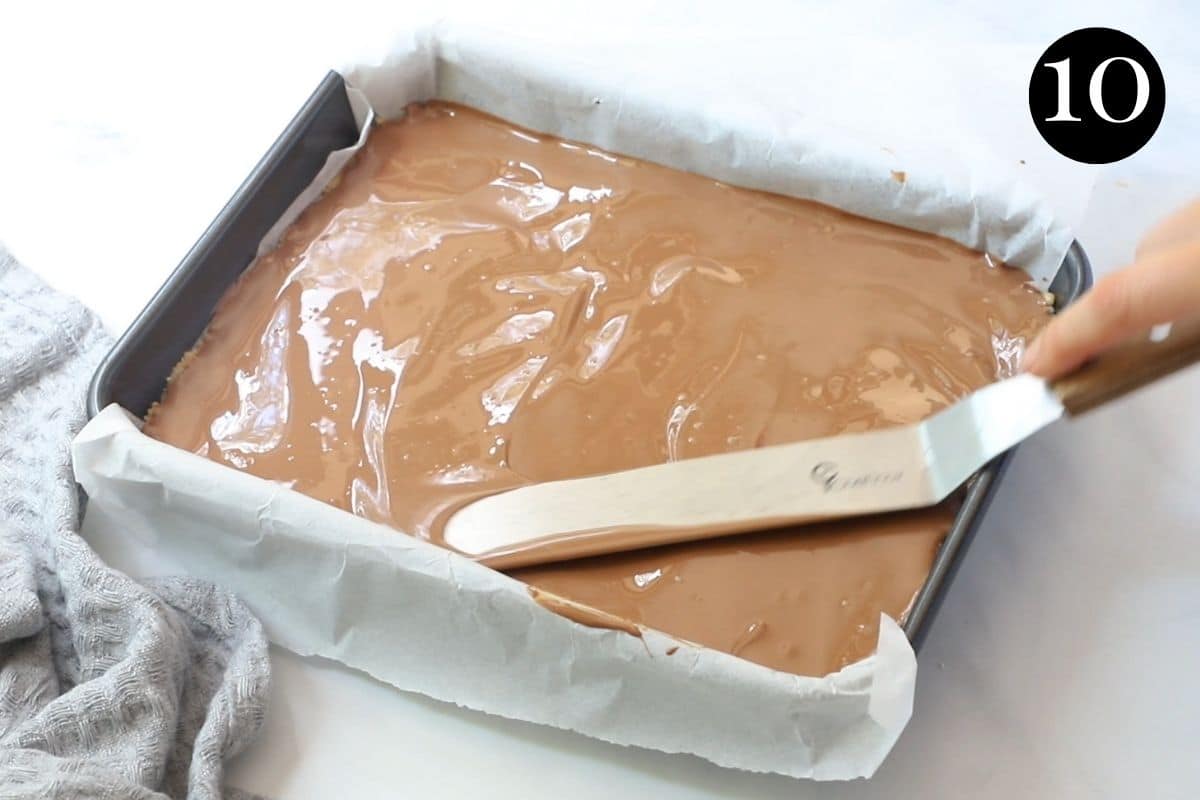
pixel 864 473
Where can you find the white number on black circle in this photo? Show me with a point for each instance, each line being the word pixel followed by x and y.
pixel 1095 90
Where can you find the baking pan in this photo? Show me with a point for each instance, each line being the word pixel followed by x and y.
pixel 135 371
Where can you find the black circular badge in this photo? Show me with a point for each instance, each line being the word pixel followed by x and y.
pixel 1097 95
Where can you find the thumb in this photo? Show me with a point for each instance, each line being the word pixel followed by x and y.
pixel 1163 287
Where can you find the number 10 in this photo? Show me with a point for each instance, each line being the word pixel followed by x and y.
pixel 1095 93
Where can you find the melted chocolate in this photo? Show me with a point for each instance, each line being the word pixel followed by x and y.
pixel 473 307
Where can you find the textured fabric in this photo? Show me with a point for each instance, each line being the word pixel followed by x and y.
pixel 108 688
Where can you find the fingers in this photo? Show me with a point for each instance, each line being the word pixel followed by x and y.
pixel 1162 287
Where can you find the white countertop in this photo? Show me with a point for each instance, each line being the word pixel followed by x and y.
pixel 1064 661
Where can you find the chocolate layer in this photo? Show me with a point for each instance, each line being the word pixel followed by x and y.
pixel 473 307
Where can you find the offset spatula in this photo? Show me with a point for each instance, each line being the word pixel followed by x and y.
pixel 865 473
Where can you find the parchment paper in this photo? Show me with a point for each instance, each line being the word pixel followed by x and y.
pixel 328 583
pixel 325 582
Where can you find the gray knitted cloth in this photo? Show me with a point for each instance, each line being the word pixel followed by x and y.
pixel 108 688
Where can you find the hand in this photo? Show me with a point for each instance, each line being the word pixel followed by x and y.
pixel 1162 285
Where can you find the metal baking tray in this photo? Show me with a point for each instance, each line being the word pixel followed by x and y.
pixel 135 371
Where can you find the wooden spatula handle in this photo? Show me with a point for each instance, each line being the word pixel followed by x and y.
pixel 1128 367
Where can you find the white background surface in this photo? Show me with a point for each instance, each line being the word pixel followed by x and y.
pixel 1064 663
